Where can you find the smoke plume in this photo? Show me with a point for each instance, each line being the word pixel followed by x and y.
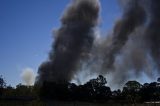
pixel 73 41
pixel 130 50
pixel 28 76
pixel 133 17
pixel 153 32
pixel 134 47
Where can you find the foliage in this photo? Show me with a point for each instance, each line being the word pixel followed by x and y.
pixel 2 85
pixel 131 91
pixel 95 90
pixel 158 80
pixel 2 82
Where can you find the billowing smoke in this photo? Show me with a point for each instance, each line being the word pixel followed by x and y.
pixel 133 48
pixel 130 50
pixel 153 31
pixel 28 76
pixel 73 42
pixel 139 45
pixel 133 17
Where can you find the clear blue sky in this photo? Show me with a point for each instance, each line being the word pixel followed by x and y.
pixel 26 32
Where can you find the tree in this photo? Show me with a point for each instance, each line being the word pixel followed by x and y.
pixel 53 90
pixel 2 82
pixel 101 80
pixel 95 89
pixel 150 92
pixel 133 85
pixel 2 85
pixel 116 95
pixel 131 91
pixel 10 91
pixel 23 90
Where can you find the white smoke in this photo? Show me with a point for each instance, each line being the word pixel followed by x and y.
pixel 28 76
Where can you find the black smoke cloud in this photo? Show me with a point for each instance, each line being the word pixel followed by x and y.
pixel 73 41
pixel 132 49
pixel 153 31
pixel 135 42
pixel 133 16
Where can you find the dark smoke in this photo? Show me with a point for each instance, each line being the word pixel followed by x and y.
pixel 133 16
pixel 73 42
pixel 133 48
pixel 153 31
pixel 130 50
pixel 135 43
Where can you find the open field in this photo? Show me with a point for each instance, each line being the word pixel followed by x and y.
pixel 36 103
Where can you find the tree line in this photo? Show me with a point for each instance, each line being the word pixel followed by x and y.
pixel 95 90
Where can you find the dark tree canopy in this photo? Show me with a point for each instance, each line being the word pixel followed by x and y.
pixel 95 90
pixel 2 85
pixel 158 80
pixel 2 82
pixel 133 85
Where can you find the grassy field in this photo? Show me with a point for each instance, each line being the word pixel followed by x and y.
pixel 36 103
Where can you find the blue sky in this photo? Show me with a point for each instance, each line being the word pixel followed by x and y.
pixel 26 32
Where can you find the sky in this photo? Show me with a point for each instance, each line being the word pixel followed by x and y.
pixel 26 30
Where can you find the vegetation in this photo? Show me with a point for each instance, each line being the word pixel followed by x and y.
pixel 93 91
